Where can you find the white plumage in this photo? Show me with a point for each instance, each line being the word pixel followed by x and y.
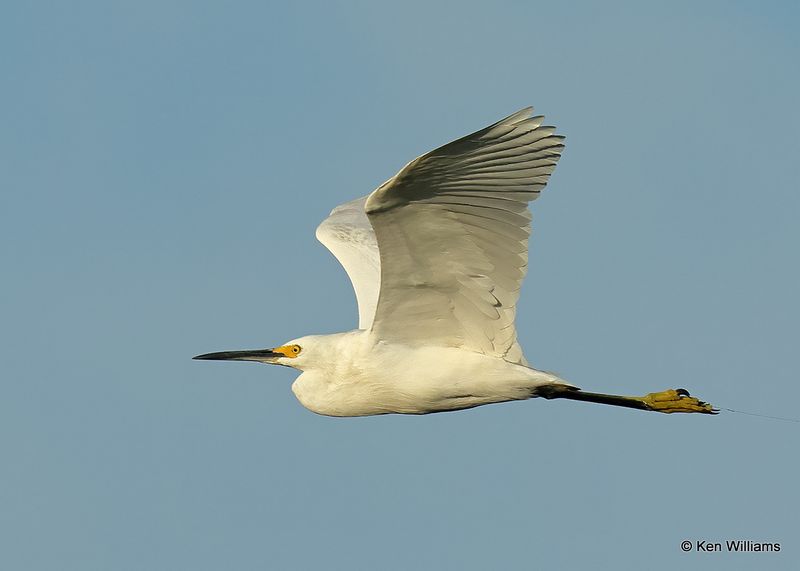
pixel 437 255
pixel 348 234
pixel 452 229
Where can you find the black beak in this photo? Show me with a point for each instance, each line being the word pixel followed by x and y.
pixel 260 355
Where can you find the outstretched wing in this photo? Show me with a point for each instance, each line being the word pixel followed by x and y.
pixel 348 234
pixel 452 229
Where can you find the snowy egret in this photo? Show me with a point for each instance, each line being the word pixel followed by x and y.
pixel 436 256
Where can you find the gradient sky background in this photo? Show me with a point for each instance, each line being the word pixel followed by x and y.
pixel 163 167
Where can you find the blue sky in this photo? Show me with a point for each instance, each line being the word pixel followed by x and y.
pixel 163 166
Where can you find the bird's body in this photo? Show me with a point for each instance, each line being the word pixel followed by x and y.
pixel 437 255
pixel 357 374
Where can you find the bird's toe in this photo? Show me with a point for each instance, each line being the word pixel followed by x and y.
pixel 676 400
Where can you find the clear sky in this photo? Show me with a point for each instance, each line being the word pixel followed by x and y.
pixel 163 166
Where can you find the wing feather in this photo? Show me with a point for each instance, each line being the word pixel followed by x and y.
pixel 452 229
pixel 348 234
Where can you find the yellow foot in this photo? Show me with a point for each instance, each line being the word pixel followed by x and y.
pixel 676 400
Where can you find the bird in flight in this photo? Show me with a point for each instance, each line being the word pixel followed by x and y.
pixel 436 256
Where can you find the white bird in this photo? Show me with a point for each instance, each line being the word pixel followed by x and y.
pixel 436 256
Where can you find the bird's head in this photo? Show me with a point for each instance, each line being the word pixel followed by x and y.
pixel 292 354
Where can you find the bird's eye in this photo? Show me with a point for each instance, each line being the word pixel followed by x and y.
pixel 296 349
